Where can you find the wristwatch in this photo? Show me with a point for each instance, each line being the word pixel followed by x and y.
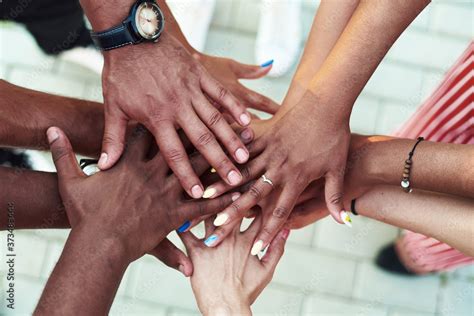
pixel 144 23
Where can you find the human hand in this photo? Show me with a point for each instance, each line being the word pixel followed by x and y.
pixel 227 279
pixel 304 145
pixel 163 87
pixel 228 72
pixel 139 220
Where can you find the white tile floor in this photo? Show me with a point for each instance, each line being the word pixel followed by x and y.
pixel 316 276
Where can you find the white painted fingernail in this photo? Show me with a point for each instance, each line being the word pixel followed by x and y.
pixel 221 219
pixel 209 192
pixel 257 247
pixel 213 170
pixel 345 218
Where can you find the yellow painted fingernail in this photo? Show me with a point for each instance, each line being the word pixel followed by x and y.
pixel 346 218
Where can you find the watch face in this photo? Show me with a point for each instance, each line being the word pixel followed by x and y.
pixel 148 20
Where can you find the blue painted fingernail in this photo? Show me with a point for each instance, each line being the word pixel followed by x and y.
pixel 266 64
pixel 210 240
pixel 184 227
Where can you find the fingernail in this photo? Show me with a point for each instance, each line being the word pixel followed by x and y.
pixel 267 63
pixel 213 170
pixel 196 191
pixel 234 177
pixel 52 134
pixel 221 219
pixel 345 218
pixel 209 192
pixel 235 196
pixel 246 135
pixel 285 233
pixel 181 269
pixel 184 227
pixel 257 247
pixel 103 159
pixel 245 119
pixel 210 240
pixel 242 155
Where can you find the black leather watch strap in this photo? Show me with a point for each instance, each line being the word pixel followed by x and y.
pixel 116 37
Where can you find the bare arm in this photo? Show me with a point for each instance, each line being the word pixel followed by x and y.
pixel 438 167
pixel 328 25
pixel 34 199
pixel 25 115
pixel 446 218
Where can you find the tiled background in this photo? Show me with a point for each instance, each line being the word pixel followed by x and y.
pixel 316 276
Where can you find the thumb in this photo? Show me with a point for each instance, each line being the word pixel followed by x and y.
pixel 244 71
pixel 173 257
pixel 63 155
pixel 275 250
pixel 113 142
pixel 334 198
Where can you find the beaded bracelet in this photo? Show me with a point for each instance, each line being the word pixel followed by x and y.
pixel 406 185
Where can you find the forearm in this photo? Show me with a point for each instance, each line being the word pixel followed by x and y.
pixel 328 25
pixel 446 218
pixel 33 199
pixel 228 310
pixel 371 31
pixel 438 167
pixel 25 115
pixel 86 276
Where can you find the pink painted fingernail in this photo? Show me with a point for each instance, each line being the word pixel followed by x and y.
pixel 241 155
pixel 234 177
pixel 103 159
pixel 197 191
pixel 245 119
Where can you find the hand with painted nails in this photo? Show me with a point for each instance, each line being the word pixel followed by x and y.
pixel 227 279
pixel 164 88
pixel 228 72
pixel 154 203
pixel 302 146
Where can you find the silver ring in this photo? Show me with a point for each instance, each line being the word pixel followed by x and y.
pixel 266 180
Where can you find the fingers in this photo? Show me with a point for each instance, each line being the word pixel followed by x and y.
pixel 250 171
pixel 307 213
pixel 258 101
pixel 63 155
pixel 224 97
pixel 239 208
pixel 275 222
pixel 244 71
pixel 175 155
pixel 333 190
pixel 275 251
pixel 195 209
pixel 114 138
pixel 205 142
pixel 217 124
pixel 138 144
pixel 173 257
pixel 189 240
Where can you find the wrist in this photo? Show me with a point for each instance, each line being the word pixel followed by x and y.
pixel 324 107
pixel 229 309
pixel 97 241
pixel 103 16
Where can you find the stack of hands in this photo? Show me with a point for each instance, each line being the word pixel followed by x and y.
pixel 180 147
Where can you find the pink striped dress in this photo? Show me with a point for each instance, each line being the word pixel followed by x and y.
pixel 446 116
